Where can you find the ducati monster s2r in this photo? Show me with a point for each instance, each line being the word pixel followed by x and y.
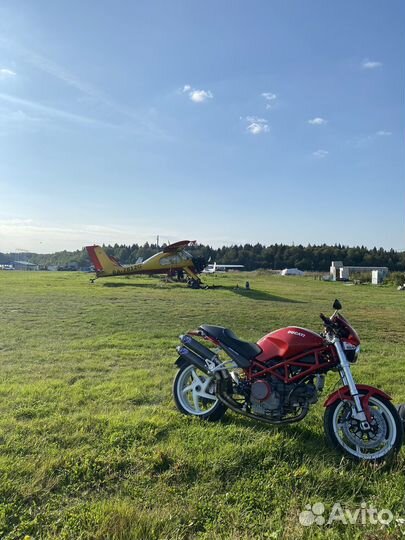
pixel 277 379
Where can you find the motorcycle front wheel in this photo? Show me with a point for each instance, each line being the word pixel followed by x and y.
pixel 194 394
pixel 381 442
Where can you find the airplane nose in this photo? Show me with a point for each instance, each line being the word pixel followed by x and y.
pixel 199 263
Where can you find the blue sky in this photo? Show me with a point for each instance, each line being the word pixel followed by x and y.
pixel 221 121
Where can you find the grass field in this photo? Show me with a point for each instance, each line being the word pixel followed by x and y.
pixel 92 447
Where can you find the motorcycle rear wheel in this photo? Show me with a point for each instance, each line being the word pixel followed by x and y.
pixel 194 394
pixel 344 433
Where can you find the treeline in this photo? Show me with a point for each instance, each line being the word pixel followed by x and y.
pixel 277 256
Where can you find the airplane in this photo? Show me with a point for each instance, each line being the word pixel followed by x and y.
pixel 213 268
pixel 173 260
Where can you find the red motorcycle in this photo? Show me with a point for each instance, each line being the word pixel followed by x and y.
pixel 277 379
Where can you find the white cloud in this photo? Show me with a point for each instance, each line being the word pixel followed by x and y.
pixel 317 121
pixel 46 237
pixel 320 154
pixel 366 140
pixel 52 68
pixel 198 96
pixel 370 64
pixel 4 73
pixel 18 118
pixel 269 98
pixel 257 126
pixel 255 129
pixel 142 121
pixel 46 110
pixel 14 222
pixel 256 119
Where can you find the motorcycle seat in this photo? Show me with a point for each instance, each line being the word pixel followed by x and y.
pixel 229 339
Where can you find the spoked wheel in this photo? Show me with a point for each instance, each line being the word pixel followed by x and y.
pixel 194 394
pixel 381 441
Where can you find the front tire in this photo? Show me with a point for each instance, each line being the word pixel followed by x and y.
pixel 380 443
pixel 194 394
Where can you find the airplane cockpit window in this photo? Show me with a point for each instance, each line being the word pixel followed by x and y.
pixel 171 259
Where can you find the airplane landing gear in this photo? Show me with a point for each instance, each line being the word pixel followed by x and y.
pixel 196 284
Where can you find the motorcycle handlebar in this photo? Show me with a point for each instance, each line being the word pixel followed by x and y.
pixel 326 320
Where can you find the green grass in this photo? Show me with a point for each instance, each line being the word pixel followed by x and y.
pixel 92 447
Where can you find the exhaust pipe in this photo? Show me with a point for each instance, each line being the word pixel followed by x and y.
pixel 193 358
pixel 196 347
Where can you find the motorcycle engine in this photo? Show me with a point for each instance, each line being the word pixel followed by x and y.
pixel 271 397
pixel 263 397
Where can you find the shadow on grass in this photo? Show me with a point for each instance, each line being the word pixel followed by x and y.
pixel 254 294
pixel 311 443
pixel 311 440
pixel 152 284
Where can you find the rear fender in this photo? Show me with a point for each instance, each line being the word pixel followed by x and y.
pixel 365 392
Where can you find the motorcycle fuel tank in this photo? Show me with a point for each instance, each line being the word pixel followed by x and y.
pixel 288 342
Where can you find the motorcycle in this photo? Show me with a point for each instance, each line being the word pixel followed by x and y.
pixel 277 379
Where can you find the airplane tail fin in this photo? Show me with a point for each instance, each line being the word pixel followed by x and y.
pixel 101 261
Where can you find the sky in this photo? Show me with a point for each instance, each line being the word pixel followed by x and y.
pixel 272 121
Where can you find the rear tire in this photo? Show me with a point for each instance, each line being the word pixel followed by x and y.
pixel 194 394
pixel 345 435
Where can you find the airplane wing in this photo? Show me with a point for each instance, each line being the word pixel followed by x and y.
pixel 219 266
pixel 177 246
pixel 212 268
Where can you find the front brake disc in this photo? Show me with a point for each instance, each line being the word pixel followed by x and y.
pixel 371 438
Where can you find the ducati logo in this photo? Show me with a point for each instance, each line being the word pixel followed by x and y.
pixel 294 333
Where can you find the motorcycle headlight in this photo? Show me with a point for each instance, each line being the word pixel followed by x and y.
pixel 351 351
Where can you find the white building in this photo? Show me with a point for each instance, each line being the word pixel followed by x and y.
pixel 292 272
pixel 24 265
pixel 339 272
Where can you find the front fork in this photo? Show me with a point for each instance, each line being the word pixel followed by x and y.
pixel 348 380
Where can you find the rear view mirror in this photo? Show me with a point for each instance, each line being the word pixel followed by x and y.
pixel 337 304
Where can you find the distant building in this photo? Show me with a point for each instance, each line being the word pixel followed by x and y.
pixel 377 277
pixel 23 265
pixel 70 267
pixel 339 272
pixel 292 272
pixel 335 268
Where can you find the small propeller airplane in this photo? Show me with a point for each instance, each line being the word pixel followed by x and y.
pixel 174 260
pixel 215 267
